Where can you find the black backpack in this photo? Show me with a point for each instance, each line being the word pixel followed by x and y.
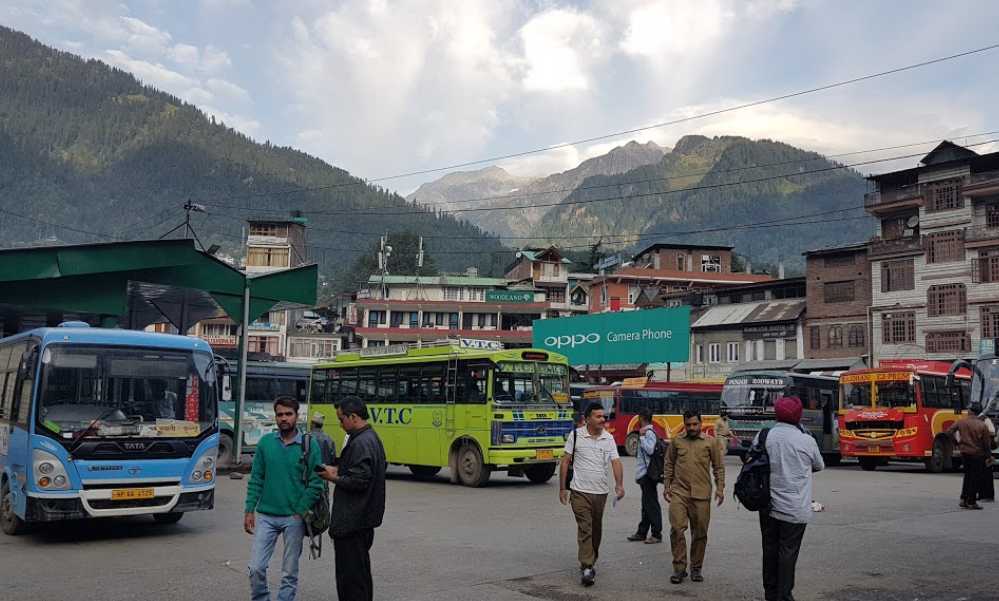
pixel 657 461
pixel 317 519
pixel 752 487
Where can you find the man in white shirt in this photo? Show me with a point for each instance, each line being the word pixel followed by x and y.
pixel 587 452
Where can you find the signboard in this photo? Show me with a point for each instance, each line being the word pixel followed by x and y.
pixel 480 345
pixel 770 331
pixel 891 376
pixel 388 350
pixel 509 296
pixel 634 383
pixel 654 335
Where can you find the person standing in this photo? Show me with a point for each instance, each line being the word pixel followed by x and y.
pixel 652 513
pixel 358 501
pixel 975 445
pixel 589 449
pixel 690 463
pixel 988 490
pixel 723 431
pixel 277 499
pixel 794 457
pixel 327 447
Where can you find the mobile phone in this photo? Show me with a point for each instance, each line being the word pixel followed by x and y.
pixel 319 468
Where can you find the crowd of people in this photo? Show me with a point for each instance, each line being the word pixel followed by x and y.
pixel 291 472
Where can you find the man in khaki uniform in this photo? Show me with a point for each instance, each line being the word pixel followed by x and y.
pixel 690 462
pixel 723 431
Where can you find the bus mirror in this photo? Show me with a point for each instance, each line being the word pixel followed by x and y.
pixel 226 387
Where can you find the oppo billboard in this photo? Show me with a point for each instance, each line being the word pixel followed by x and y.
pixel 654 335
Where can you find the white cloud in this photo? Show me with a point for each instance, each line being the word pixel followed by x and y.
pixel 185 54
pixel 663 30
pixel 228 90
pixel 247 125
pixel 154 74
pixel 141 37
pixel 558 47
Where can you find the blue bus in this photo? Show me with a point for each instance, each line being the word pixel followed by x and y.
pixel 105 423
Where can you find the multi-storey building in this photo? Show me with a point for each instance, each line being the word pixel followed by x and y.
pixel 935 259
pixel 547 272
pixel 838 288
pixel 623 289
pixel 399 308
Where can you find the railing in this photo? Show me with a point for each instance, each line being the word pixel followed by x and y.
pixel 979 233
pixel 873 199
pixel 909 244
pixel 984 177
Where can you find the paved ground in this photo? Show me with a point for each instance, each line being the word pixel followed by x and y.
pixel 892 535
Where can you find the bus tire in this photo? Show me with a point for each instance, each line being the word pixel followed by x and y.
pixel 227 450
pixel 168 518
pixel 939 459
pixel 424 472
pixel 631 444
pixel 9 522
pixel 472 471
pixel 540 473
pixel 869 464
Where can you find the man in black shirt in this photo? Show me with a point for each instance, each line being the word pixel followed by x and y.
pixel 358 501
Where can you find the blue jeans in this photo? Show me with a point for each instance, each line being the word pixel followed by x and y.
pixel 269 527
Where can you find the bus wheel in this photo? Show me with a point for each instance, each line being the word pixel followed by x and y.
pixel 937 462
pixel 869 464
pixel 9 522
pixel 168 518
pixel 424 472
pixel 227 450
pixel 631 444
pixel 471 470
pixel 540 473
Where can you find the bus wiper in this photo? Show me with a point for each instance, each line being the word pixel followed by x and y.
pixel 78 440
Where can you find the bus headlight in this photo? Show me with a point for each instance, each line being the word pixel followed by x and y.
pixel 50 472
pixel 204 469
pixel 508 439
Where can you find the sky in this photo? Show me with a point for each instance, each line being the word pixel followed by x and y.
pixel 379 87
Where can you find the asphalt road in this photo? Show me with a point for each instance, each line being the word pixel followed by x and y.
pixel 896 534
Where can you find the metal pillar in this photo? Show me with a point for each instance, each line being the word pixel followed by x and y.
pixel 241 397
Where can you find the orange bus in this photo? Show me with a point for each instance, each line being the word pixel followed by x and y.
pixel 901 411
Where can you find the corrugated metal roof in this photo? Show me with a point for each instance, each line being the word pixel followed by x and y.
pixel 746 313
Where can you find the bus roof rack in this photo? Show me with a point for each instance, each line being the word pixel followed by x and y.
pixel 404 347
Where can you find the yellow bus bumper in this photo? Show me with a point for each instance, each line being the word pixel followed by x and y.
pixel 514 457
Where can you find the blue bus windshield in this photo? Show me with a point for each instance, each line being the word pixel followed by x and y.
pixel 97 391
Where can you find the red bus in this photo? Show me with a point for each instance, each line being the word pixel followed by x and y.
pixel 667 400
pixel 901 411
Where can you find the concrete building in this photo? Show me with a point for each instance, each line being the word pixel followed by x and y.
pixel 624 289
pixel 838 293
pixel 546 271
pixel 935 258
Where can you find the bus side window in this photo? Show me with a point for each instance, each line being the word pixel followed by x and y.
pixel 935 394
pixel 387 385
pixel 432 383
pixel 318 388
pixel 409 385
pixel 348 384
pixel 25 385
pixel 367 378
pixel 472 380
pixel 259 389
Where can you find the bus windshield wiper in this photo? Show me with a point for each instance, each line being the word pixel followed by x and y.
pixel 78 440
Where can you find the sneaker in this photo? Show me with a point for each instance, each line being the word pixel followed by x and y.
pixel 678 577
pixel 695 576
pixel 653 540
pixel 975 506
pixel 636 537
pixel 588 576
pixel 964 505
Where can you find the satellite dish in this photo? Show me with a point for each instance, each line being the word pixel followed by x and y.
pixel 912 222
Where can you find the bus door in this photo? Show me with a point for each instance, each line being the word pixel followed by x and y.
pixel 830 420
pixel 20 384
pixel 450 396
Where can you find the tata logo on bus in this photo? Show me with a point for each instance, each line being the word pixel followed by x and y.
pixel 391 415
pixel 655 335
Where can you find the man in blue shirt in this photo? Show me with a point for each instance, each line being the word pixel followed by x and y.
pixel 652 514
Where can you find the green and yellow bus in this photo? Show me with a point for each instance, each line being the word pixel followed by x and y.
pixel 465 404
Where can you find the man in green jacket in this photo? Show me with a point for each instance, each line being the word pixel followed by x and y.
pixel 277 497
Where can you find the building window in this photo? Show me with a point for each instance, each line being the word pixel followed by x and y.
pixel 376 318
pixel 699 353
pixel 942 247
pixel 272 230
pixel 732 352
pixel 395 320
pixel 711 264
pixel 714 352
pixel 453 293
pixel 985 267
pixel 946 299
pixel 992 215
pixel 898 275
pixel 835 336
pixel 953 341
pixel 990 321
pixel 944 196
pixel 814 338
pixel 556 295
pixel 898 328
pixel 839 260
pixel 790 348
pixel 681 263
pixel 603 296
pixel 267 257
pixel 893 228
pixel 311 348
pixel 856 336
pixel 838 292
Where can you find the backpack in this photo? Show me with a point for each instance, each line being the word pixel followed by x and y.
pixel 752 487
pixel 317 519
pixel 657 461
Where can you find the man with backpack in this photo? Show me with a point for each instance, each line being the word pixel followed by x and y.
pixel 648 474
pixel 793 456
pixel 282 490
pixel 691 461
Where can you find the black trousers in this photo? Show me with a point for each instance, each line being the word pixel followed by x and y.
pixel 974 478
pixel 781 544
pixel 353 566
pixel 652 513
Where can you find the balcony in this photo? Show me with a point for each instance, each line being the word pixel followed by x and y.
pixel 220 341
pixel 880 248
pixel 894 198
pixel 982 233
pixel 985 183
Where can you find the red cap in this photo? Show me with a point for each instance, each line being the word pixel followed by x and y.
pixel 788 409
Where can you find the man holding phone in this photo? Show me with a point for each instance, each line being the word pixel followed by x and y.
pixel 358 501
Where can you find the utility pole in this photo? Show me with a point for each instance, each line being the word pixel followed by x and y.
pixel 384 252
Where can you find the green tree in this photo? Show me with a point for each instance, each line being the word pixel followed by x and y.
pixel 402 261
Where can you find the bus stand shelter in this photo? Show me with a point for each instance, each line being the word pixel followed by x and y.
pixel 136 284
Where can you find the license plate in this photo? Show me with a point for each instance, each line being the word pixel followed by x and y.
pixel 128 494
pixel 873 449
pixel 545 454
